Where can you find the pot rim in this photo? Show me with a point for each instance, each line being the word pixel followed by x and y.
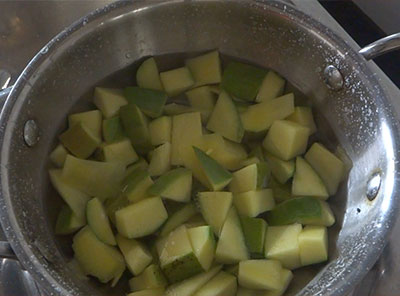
pixel 8 220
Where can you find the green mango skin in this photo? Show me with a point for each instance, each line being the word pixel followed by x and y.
pixel 242 81
pixel 182 268
pixel 167 179
pixel 254 230
pixel 150 101
pixel 79 141
pixel 113 130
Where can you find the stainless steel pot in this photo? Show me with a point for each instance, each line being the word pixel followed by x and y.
pixel 361 118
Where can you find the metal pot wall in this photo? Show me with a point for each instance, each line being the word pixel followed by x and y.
pixel 347 97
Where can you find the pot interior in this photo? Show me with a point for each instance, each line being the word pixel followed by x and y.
pixel 106 49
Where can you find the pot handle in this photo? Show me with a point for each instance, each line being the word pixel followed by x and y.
pixel 381 46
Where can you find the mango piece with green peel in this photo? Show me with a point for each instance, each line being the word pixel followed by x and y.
pixel 73 197
pixel 223 284
pixel 242 80
pixel 217 176
pixel 147 75
pixel 148 292
pixel 68 222
pixel 231 246
pixel 112 205
pixel 260 274
pixel 92 120
pixel 175 185
pixel 225 119
pixel 281 243
pixel 176 81
pixel 214 207
pixel 151 278
pixel 327 165
pixel 121 151
pixel 193 284
pixel 79 140
pixel 303 115
pixel 98 221
pixel 252 203
pixel 202 99
pixel 205 69
pixel 97 258
pixel 178 260
pixel 176 109
pixel 245 179
pixel 135 124
pixel 280 191
pixel 306 182
pixel 259 117
pixel 141 164
pixel 282 170
pixel 160 162
pixel 113 130
pixel 58 156
pixel 227 153
pixel 313 244
pixel 286 139
pixel 137 256
pixel 254 230
pixel 135 186
pixel 304 210
pixel 272 87
pixel 203 243
pixel 178 218
pixel 150 101
pixel 263 174
pixel 109 100
pixel 160 130
pixel 141 218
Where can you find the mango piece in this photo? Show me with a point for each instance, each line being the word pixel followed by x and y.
pixel 313 244
pixel 141 164
pixel 202 99
pixel 121 151
pixel 178 218
pixel 259 117
pixel 136 127
pixel 280 192
pixel 112 129
pixel 79 140
pixel 254 230
pixel 242 80
pixel 148 292
pixel 175 185
pixel 304 210
pixel 303 115
pixel 282 170
pixel 137 256
pixel 217 176
pixel 68 222
pixel 223 284
pixel 141 218
pixel 286 278
pixel 136 185
pixel 176 81
pixel 244 179
pixel 191 285
pixel 225 119
pixel 286 139
pixel 178 260
pixel 92 120
pixel 109 100
pixel 253 203
pixel 232 269
pixel 214 207
pixel 151 278
pixel 112 205
pixel 272 87
pixel 160 130
pixel 260 274
pixel 150 101
pixel 176 109
pixel 98 221
pixel 306 182
pixel 229 154
pixel 206 68
pixel 58 156
pixel 160 162
pixel 330 168
pixel 281 243
pixel 231 246
pixel 147 75
pixel 97 258
pixel 203 243
pixel 263 174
